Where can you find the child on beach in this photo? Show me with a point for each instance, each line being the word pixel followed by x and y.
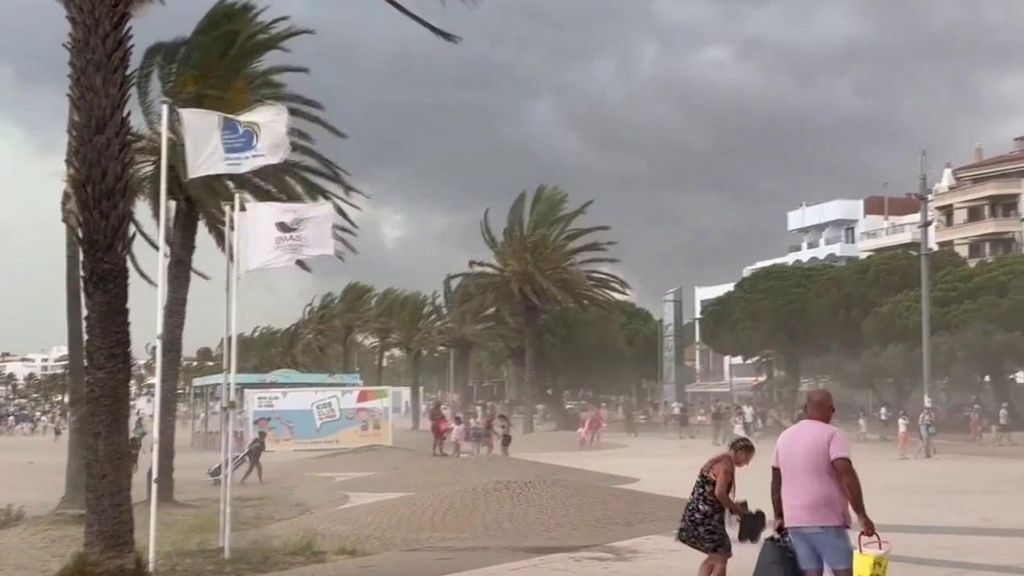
pixel 505 431
pixel 903 425
pixel 862 421
pixel 458 436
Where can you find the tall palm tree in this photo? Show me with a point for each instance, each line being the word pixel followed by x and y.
pixel 222 65
pixel 468 318
pixel 381 328
pixel 333 322
pixel 542 261
pixel 99 177
pixel 74 473
pixel 416 331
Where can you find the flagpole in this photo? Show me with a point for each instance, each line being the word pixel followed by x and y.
pixel 234 371
pixel 226 351
pixel 165 106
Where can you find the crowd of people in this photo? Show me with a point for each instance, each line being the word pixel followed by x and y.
pixel 37 424
pixel 472 432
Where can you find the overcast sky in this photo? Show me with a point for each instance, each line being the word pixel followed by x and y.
pixel 694 125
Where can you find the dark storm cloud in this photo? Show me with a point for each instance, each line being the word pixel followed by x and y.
pixel 693 124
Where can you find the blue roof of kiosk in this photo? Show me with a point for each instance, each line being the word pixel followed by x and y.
pixel 281 378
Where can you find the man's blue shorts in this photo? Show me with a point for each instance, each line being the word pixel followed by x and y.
pixel 820 546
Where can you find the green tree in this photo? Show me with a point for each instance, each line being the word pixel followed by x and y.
pixel 381 328
pixel 468 320
pixel 416 321
pixel 99 174
pixel 768 314
pixel 335 323
pixel 222 65
pixel 543 261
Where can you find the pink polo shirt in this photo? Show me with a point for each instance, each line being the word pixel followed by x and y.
pixel 811 493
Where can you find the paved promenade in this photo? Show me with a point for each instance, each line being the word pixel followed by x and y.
pixel 951 516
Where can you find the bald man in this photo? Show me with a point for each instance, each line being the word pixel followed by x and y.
pixel 813 487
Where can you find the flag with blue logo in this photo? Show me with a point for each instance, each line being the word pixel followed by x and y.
pixel 217 143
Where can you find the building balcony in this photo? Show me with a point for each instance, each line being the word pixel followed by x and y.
pixel 985 227
pixel 890 237
pixel 829 250
pixel 970 192
pixel 819 216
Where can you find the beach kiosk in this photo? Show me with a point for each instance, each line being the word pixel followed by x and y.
pixel 298 411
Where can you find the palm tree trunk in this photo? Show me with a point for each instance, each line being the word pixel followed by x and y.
pixel 347 353
pixel 99 48
pixel 380 367
pixel 179 277
pixel 416 359
pixel 463 356
pixel 531 339
pixel 74 473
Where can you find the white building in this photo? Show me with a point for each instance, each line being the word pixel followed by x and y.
pixel 53 361
pixel 841 230
pixel 714 369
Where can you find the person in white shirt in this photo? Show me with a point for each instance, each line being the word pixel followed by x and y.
pixel 748 419
pixel 883 418
pixel 904 425
pixel 1003 427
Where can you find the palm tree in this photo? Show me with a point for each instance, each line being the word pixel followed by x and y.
pixel 222 66
pixel 351 315
pixel 468 318
pixel 99 178
pixel 332 323
pixel 74 473
pixel 543 261
pixel 416 332
pixel 381 327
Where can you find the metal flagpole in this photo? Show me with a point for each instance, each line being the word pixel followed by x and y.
pixel 234 371
pixel 165 107
pixel 226 352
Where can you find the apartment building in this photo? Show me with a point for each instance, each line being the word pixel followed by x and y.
pixel 977 207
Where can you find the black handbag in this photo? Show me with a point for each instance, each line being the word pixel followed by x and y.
pixel 777 558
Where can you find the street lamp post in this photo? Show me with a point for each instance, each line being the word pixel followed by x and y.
pixel 926 297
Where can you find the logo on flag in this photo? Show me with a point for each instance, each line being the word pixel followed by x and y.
pixel 237 137
pixel 279 233
pixel 217 143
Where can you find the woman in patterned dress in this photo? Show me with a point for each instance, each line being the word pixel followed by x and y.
pixel 703 524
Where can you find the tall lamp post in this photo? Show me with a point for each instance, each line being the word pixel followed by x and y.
pixel 947 182
pixel 926 288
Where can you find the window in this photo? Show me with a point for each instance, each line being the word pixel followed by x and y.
pixel 947 218
pixel 976 250
pixel 1000 247
pixel 975 213
pixel 1004 210
pixel 849 236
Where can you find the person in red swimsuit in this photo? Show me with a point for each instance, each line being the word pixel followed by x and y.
pixel 438 428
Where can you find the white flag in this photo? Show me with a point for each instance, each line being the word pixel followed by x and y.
pixel 277 234
pixel 216 143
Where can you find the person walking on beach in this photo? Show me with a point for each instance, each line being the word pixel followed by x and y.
pixel 748 419
pixel 717 419
pixel 903 434
pixel 814 484
pixel 458 436
pixel 438 428
pixel 977 425
pixel 629 419
pixel 255 452
pixel 883 421
pixel 505 433
pixel 739 427
pixel 928 431
pixel 489 420
pixel 862 425
pixel 1003 433
pixel 702 526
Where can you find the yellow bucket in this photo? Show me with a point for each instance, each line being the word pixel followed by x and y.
pixel 871 557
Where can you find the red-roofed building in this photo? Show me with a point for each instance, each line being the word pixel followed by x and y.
pixel 977 208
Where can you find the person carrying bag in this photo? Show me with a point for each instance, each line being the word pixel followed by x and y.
pixel 777 558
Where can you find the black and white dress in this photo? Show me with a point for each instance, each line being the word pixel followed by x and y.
pixel 702 526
